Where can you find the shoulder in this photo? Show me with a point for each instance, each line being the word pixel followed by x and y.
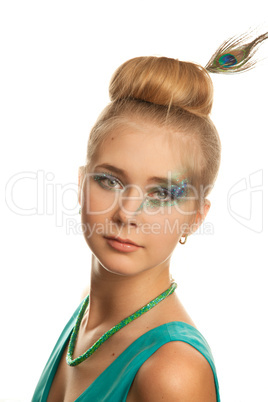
pixel 176 372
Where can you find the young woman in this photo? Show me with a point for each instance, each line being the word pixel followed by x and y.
pixel 152 158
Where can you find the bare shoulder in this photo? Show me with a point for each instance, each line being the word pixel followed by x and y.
pixel 176 372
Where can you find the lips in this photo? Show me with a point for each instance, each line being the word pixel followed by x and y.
pixel 123 240
pixel 124 245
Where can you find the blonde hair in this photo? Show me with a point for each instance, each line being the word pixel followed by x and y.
pixel 169 93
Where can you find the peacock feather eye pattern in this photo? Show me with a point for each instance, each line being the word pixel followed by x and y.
pixel 227 60
pixel 236 54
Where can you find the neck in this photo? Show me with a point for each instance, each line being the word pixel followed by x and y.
pixel 114 297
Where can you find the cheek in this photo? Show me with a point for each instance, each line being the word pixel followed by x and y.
pixel 162 237
pixel 165 230
pixel 177 216
pixel 97 201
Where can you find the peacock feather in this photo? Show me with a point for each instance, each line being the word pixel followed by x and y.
pixel 236 54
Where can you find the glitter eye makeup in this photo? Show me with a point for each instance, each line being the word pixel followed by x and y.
pixel 162 196
pixel 159 196
pixel 108 181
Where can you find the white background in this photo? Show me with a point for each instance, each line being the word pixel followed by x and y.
pixel 57 58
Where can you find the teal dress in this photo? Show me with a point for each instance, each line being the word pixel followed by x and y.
pixel 114 382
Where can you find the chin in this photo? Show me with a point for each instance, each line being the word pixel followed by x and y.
pixel 122 265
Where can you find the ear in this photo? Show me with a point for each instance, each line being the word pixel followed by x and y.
pixel 81 172
pixel 200 216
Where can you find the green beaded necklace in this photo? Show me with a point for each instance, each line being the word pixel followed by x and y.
pixel 110 332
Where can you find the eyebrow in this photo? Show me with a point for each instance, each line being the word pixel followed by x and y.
pixel 154 179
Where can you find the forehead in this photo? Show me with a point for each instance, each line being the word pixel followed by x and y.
pixel 146 147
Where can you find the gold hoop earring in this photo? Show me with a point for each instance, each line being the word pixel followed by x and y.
pixel 185 238
pixel 80 211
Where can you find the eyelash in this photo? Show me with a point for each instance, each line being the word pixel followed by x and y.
pixel 175 193
pixel 101 177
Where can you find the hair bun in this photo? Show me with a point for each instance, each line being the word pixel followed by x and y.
pixel 164 81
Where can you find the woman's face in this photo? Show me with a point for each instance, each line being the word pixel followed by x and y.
pixel 135 190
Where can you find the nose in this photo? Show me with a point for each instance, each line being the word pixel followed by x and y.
pixel 128 207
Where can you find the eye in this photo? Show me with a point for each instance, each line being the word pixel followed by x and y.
pixel 162 196
pixel 108 181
